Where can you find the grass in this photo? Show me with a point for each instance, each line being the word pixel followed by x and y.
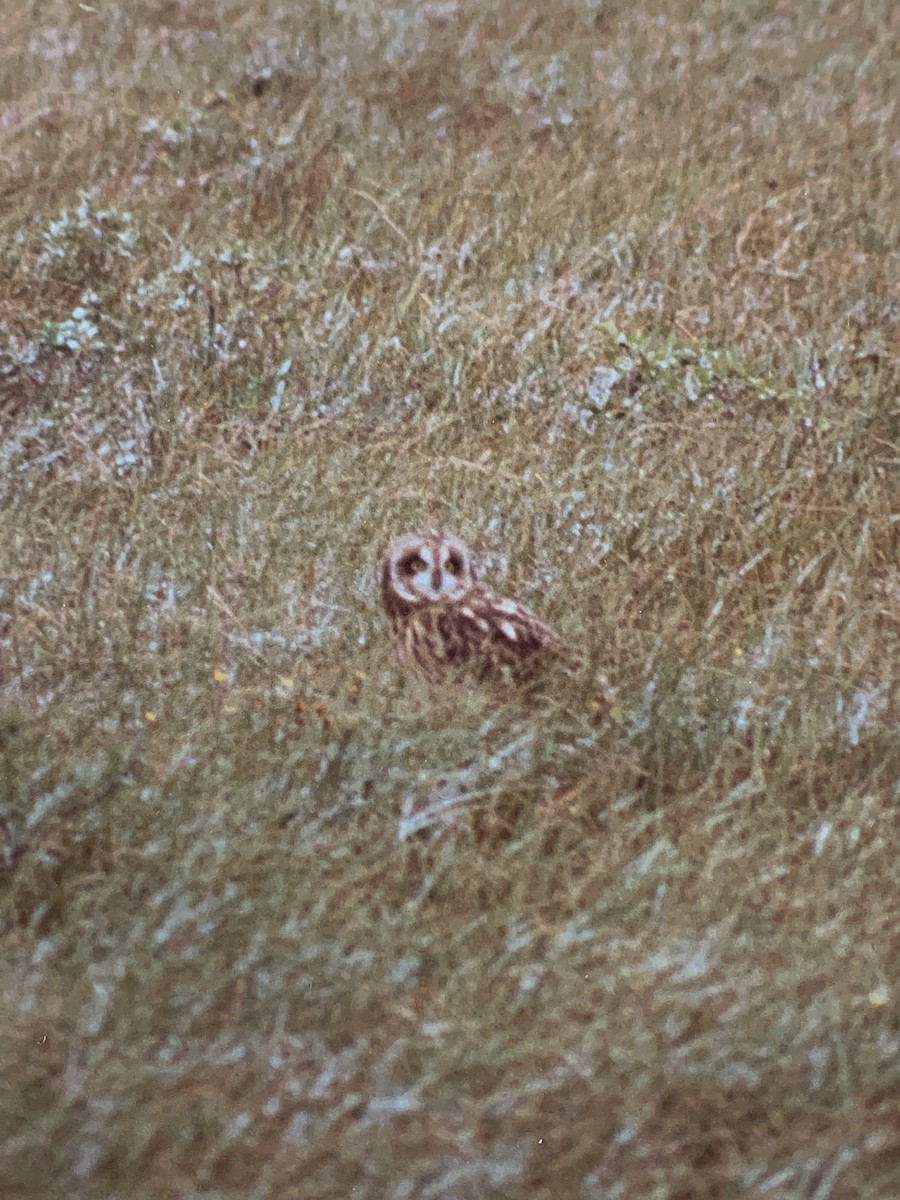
pixel 609 290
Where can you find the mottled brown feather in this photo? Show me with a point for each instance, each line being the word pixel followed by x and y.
pixel 475 633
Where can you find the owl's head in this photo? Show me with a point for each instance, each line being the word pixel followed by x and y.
pixel 425 568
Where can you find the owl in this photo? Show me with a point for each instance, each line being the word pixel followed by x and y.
pixel 446 625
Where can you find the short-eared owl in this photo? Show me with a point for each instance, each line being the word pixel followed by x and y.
pixel 445 624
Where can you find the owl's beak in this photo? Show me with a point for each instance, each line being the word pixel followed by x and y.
pixel 436 580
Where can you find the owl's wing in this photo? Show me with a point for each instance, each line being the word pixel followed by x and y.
pixel 510 637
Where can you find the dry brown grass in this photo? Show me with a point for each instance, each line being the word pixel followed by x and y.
pixel 610 290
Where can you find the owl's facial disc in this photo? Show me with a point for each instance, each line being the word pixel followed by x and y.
pixel 425 569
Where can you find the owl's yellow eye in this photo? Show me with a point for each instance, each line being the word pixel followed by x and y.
pixel 454 564
pixel 414 564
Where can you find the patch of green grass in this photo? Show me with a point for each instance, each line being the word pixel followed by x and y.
pixel 610 291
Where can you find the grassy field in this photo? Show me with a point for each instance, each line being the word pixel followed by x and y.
pixel 611 290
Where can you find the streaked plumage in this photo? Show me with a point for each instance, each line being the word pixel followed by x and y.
pixel 445 624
